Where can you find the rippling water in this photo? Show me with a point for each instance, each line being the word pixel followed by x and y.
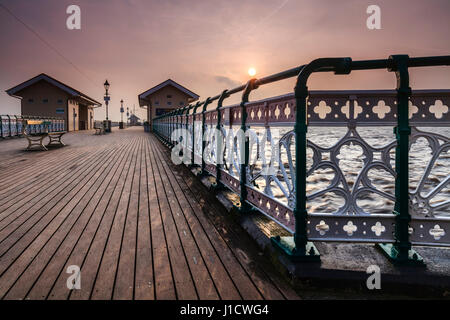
pixel 351 161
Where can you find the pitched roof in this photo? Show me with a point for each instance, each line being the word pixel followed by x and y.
pixel 53 81
pixel 168 82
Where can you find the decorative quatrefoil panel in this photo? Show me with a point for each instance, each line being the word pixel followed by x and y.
pixel 322 109
pixel 350 228
pixel 381 109
pixel 378 229
pixel 322 228
pixel 438 109
pixel 437 232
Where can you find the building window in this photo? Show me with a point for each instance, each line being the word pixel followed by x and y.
pixel 169 103
pixel 169 96
pixel 156 103
pixel 181 103
pixel 160 111
pixel 60 110
pixel 30 100
pixel 60 101
pixel 45 100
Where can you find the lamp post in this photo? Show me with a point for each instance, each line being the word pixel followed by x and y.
pixel 121 115
pixel 128 114
pixel 107 98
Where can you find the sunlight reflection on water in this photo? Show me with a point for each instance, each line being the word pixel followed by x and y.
pixel 351 161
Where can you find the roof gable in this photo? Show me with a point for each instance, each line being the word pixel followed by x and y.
pixel 56 83
pixel 168 82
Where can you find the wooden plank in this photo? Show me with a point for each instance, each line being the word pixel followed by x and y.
pixel 132 221
pixel 144 277
pixel 16 182
pixel 68 232
pixel 16 219
pixel 27 198
pixel 45 159
pixel 197 247
pixel 162 264
pixel 238 242
pixel 73 252
pixel 181 272
pixel 104 284
pixel 90 248
pixel 124 278
pixel 196 218
pixel 18 168
pixel 13 270
pixel 15 242
pixel 33 178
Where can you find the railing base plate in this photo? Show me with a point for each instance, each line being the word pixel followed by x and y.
pixel 244 209
pixel 217 186
pixel 287 246
pixel 388 249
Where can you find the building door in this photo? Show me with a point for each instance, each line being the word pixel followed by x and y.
pixel 74 119
pixel 83 117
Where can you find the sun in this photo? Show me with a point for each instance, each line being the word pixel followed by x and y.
pixel 251 72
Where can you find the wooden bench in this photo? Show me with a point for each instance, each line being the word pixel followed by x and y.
pixel 99 129
pixel 37 139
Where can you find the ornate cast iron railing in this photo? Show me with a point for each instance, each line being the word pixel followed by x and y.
pixel 355 181
pixel 11 125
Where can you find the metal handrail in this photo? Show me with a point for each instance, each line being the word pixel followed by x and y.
pixel 300 248
pixel 19 126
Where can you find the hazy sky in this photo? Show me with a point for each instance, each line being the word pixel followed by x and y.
pixel 209 45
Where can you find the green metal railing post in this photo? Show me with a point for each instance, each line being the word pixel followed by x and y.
pixel 174 127
pixel 400 252
pixel 158 122
pixel 167 129
pixel 245 147
pixel 219 148
pixel 165 120
pixel 9 125
pixel 183 132
pixel 205 106
pixel 169 126
pixel 194 112
pixel 154 129
pixel 17 126
pixel 191 109
pixel 172 122
pixel 298 248
pixel 186 131
pixel 164 125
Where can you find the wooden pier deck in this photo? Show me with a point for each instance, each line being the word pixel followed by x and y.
pixel 137 226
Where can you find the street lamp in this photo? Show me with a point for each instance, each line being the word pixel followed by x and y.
pixel 106 98
pixel 128 116
pixel 121 114
pixel 106 85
